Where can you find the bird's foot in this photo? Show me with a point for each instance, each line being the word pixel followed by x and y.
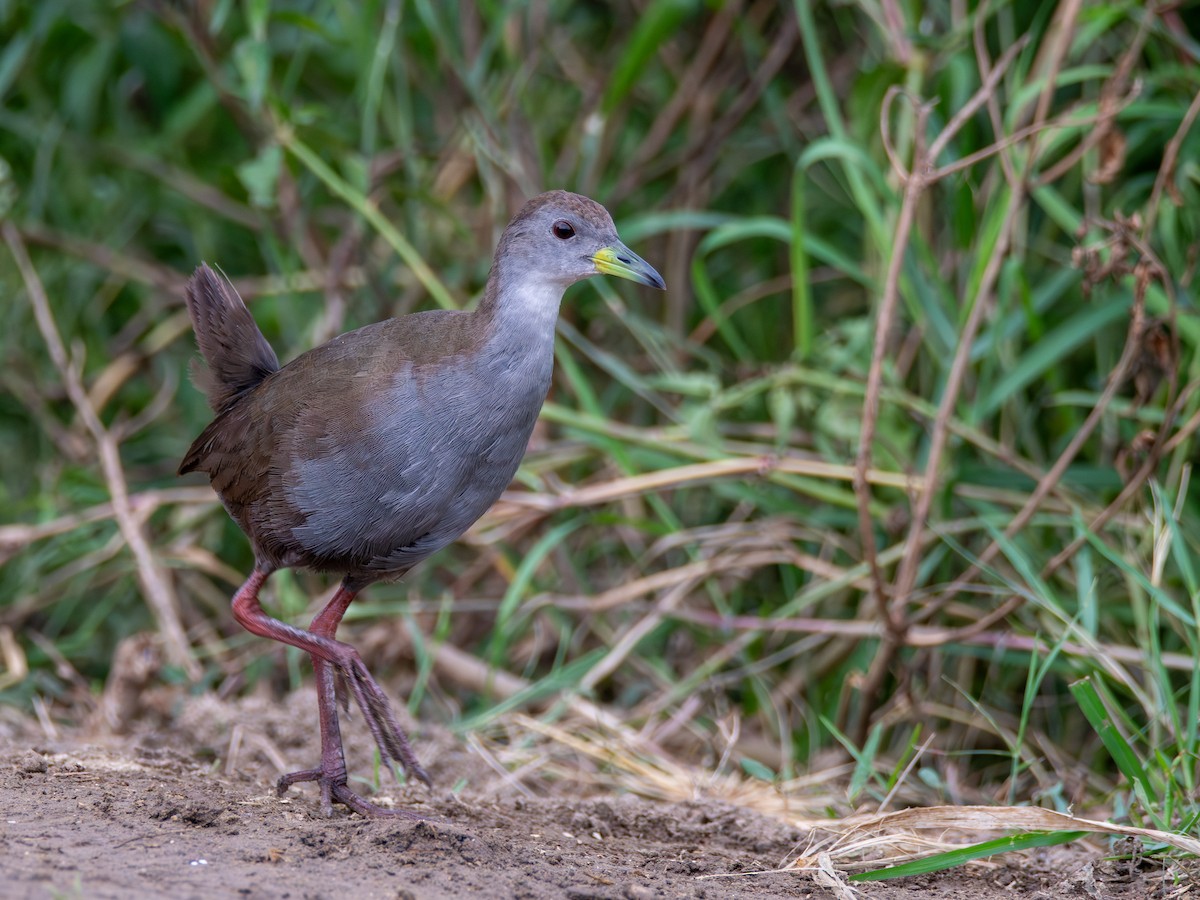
pixel 377 711
pixel 334 790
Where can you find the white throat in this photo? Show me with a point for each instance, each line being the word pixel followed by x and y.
pixel 528 310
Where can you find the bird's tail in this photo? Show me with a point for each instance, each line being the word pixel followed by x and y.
pixel 237 354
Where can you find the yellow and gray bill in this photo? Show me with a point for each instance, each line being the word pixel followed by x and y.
pixel 619 260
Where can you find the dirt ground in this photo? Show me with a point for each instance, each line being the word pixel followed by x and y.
pixel 187 809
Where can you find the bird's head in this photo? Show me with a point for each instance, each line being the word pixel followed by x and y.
pixel 566 237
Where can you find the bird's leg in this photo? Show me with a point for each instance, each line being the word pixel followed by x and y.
pixel 332 771
pixel 329 655
pixel 331 774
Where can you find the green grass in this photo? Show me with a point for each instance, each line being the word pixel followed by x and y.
pixel 347 161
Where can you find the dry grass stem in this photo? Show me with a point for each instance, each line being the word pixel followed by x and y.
pixel 476 675
pixel 156 587
pixel 682 476
pixel 141 503
pixel 899 826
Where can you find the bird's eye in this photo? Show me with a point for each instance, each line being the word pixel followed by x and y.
pixel 562 230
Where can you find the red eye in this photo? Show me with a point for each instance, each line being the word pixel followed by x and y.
pixel 562 230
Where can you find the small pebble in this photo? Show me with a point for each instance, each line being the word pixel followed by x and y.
pixel 32 762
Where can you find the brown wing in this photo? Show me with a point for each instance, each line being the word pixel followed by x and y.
pixel 251 449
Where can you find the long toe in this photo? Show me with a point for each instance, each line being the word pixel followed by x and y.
pixel 286 781
pixel 334 790
pixel 342 794
pixel 377 711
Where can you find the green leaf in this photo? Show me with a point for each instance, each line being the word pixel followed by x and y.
pixel 755 769
pixel 953 858
pixel 1049 352
pixel 261 176
pixel 257 14
pixel 658 23
pixel 252 59
pixel 1114 741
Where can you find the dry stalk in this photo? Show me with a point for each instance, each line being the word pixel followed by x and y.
pixel 624 645
pixel 906 578
pixel 1163 439
pixel 1166 171
pixel 1187 430
pixel 932 636
pixel 681 476
pixel 476 675
pixel 1108 107
pixel 983 60
pixel 893 612
pixel 694 81
pixel 669 578
pixel 155 587
pixel 897 32
pixel 16 537
pixel 913 187
pixel 1065 121
pixel 1115 380
pixel 992 819
pixel 158 276
pixel 905 582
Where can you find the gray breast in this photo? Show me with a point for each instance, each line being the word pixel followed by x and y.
pixel 426 460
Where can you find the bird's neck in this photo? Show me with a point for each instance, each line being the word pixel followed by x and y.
pixel 521 310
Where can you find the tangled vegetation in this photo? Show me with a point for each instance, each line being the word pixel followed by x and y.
pixel 896 475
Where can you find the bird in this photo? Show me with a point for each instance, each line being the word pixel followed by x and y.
pixel 365 455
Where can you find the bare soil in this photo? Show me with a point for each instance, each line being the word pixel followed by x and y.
pixel 188 809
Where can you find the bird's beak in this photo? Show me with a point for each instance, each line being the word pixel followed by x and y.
pixel 619 260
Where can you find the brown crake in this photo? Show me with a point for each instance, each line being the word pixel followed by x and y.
pixel 365 455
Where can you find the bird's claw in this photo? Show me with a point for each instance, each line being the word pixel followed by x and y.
pixel 335 790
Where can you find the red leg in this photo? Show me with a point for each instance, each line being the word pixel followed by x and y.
pixel 329 655
pixel 332 770
pixel 333 760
